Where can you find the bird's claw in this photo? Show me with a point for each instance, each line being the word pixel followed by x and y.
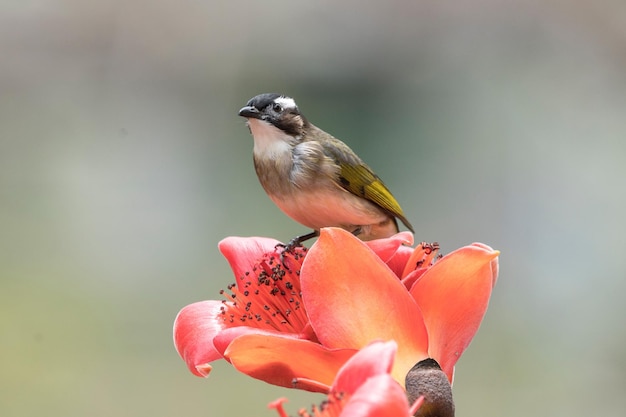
pixel 294 243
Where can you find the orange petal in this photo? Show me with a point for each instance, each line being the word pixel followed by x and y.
pixel 453 296
pixel 409 280
pixel 280 360
pixel 494 262
pixel 352 298
pixel 397 263
pixel 387 248
pixel 224 338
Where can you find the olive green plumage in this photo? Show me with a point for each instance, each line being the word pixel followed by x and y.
pixel 361 181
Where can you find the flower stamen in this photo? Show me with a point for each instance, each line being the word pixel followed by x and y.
pixel 269 295
pixel 422 257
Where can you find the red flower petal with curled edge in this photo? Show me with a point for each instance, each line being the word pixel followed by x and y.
pixel 194 329
pixel 453 295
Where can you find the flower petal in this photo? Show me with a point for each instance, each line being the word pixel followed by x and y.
pixel 494 262
pixel 397 263
pixel 223 340
pixel 194 329
pixel 453 296
pixel 379 396
pixel 281 360
pixel 387 248
pixel 352 298
pixel 374 359
pixel 409 280
pixel 243 252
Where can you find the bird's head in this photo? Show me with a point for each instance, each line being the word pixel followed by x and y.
pixel 276 110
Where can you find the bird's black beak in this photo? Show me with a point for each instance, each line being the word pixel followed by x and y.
pixel 250 111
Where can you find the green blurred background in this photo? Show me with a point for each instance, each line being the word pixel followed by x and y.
pixel 123 162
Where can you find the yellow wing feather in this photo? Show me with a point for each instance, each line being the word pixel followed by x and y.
pixel 361 181
pixel 356 177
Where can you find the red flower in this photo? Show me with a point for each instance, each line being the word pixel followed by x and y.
pixel 352 296
pixel 363 388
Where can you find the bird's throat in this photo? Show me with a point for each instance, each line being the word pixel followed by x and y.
pixel 270 143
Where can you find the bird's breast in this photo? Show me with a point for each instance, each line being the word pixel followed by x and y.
pixel 328 206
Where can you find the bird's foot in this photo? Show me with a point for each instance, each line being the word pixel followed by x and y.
pixel 297 241
pixel 294 243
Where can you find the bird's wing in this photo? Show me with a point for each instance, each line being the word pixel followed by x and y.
pixel 361 181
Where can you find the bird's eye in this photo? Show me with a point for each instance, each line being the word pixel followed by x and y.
pixel 277 107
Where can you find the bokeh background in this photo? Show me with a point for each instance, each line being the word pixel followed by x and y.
pixel 123 163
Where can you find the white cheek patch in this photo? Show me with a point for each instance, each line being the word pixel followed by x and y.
pixel 286 102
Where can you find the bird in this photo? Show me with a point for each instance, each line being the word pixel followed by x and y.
pixel 315 178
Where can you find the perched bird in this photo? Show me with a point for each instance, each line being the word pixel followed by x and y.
pixel 314 178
